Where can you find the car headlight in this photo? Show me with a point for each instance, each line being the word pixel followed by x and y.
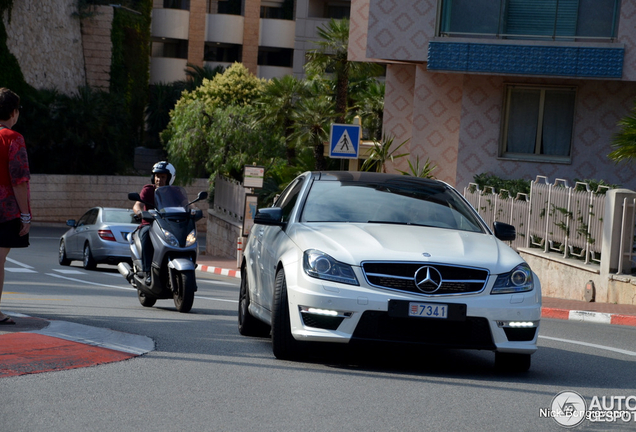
pixel 320 265
pixel 170 238
pixel 518 280
pixel 191 238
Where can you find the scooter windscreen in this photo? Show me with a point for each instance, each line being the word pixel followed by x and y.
pixel 171 199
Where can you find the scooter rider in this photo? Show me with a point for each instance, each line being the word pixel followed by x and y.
pixel 163 173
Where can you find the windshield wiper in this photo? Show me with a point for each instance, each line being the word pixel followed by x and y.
pixel 398 223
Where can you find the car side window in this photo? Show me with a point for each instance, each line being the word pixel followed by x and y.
pixel 92 218
pixel 289 198
pixel 88 218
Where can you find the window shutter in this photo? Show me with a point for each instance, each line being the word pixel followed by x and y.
pixel 537 17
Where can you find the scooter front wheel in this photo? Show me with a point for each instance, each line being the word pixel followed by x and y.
pixel 184 294
pixel 145 300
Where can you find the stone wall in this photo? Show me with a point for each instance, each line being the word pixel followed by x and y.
pixel 46 39
pixel 222 234
pixel 57 198
pixel 98 47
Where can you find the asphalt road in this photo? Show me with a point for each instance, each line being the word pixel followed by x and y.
pixel 204 376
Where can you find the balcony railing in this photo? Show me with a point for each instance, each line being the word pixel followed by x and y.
pixel 564 20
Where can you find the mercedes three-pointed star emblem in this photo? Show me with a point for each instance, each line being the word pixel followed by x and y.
pixel 428 279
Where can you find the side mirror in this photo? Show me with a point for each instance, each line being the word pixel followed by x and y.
pixel 71 223
pixel 202 195
pixel 272 216
pixel 504 231
pixel 134 196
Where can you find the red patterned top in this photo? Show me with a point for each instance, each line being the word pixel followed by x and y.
pixel 14 170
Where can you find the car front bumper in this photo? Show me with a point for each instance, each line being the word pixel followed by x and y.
pixel 333 312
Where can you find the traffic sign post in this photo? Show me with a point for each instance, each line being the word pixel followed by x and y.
pixel 344 141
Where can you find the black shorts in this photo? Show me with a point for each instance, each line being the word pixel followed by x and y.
pixel 10 235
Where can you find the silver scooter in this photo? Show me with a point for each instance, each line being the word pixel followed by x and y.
pixel 174 239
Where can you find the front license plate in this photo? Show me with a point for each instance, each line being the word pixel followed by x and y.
pixel 428 310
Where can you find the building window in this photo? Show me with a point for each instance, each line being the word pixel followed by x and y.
pixel 281 57
pixel 531 19
pixel 538 123
pixel 176 4
pixel 222 53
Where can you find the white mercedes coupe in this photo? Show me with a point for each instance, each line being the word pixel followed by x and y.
pixel 357 256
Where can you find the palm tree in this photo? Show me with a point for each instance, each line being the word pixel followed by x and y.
pixel 624 141
pixel 196 74
pixel 312 124
pixel 277 104
pixel 331 57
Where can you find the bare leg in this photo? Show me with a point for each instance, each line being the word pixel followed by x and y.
pixel 3 259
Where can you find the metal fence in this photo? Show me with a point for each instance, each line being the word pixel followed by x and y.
pixel 554 216
pixel 229 197
pixel 627 243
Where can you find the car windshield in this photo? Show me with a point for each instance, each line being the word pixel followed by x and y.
pixel 396 202
pixel 118 216
pixel 168 197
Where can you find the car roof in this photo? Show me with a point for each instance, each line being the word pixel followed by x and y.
pixel 375 177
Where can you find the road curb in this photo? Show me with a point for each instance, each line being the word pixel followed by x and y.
pixel 587 316
pixel 219 271
pixel 63 345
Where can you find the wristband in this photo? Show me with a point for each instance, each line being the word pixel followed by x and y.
pixel 25 217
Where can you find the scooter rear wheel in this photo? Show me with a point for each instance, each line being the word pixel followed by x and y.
pixel 184 294
pixel 145 300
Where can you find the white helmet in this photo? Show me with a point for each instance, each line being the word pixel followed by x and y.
pixel 164 167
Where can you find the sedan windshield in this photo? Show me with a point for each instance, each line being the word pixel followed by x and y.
pixel 404 203
pixel 119 216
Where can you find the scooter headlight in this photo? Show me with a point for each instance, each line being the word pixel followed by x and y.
pixel 191 238
pixel 170 238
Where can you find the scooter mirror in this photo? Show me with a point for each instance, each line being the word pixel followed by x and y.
pixel 134 196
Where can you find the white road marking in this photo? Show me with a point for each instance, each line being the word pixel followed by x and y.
pixel 591 345
pixel 19 263
pixel 19 270
pixel 90 283
pixel 216 282
pixel 64 271
pixel 129 288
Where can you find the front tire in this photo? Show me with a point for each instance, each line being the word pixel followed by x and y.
pixel 88 261
pixel 284 345
pixel 62 258
pixel 512 362
pixel 248 325
pixel 145 300
pixel 184 295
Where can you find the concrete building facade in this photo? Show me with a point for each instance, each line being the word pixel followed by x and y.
pixel 497 87
pixel 270 37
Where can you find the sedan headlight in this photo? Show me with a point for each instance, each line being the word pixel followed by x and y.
pixel 191 238
pixel 516 281
pixel 170 238
pixel 320 265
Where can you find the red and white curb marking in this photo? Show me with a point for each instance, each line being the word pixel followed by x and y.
pixel 587 316
pixel 220 271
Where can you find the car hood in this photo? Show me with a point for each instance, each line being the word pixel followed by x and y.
pixel 353 243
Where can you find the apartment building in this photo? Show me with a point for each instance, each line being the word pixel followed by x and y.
pixel 515 88
pixel 270 37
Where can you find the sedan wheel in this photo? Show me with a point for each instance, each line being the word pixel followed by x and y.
pixel 248 325
pixel 62 259
pixel 283 343
pixel 89 261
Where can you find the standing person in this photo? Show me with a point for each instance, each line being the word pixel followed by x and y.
pixel 15 206
pixel 163 174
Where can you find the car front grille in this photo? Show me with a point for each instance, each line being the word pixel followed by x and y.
pixel 472 333
pixel 402 277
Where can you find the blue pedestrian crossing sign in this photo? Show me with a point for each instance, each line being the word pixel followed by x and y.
pixel 344 141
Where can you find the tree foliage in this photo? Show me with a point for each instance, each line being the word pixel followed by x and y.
pixel 213 129
pixel 624 142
